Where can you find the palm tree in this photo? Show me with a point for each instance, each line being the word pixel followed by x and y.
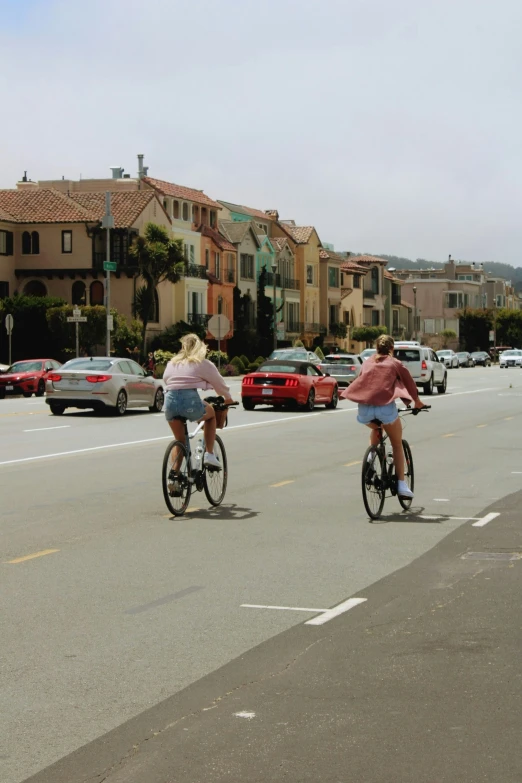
pixel 159 258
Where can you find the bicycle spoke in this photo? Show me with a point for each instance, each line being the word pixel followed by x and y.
pixel 176 478
pixel 372 483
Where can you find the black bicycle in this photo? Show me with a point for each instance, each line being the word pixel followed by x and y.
pixel 184 469
pixel 378 471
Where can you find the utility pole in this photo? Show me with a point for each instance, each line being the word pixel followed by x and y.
pixel 414 312
pixel 109 266
pixel 274 270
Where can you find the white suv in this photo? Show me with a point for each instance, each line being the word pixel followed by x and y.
pixel 424 365
pixel 512 358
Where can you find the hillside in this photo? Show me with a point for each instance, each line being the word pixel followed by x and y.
pixel 495 268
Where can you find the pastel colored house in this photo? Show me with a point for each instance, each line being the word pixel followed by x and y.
pixel 243 237
pixel 330 264
pixel 220 261
pixel 352 301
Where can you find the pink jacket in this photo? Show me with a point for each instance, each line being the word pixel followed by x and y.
pixel 382 382
pixel 189 375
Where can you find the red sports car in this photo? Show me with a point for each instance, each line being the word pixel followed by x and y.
pixel 286 382
pixel 27 377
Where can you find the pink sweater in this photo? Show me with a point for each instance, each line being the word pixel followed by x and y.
pixel 189 375
pixel 382 382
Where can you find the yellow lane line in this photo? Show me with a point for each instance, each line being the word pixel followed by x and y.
pixel 282 483
pixel 509 418
pixel 33 555
pixel 481 425
pixel 449 435
pixel 350 464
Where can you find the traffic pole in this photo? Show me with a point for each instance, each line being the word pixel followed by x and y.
pixel 108 223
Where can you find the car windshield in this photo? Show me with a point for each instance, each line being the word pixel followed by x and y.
pixel 290 354
pixel 511 353
pixel 337 369
pixel 407 354
pixel 368 352
pixel 278 368
pixel 26 367
pixel 88 364
pixel 444 353
pixel 478 353
pixel 463 355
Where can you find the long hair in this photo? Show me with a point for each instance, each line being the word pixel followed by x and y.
pixel 193 350
pixel 384 346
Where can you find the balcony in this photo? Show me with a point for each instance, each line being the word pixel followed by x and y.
pixel 193 270
pixel 291 284
pixel 270 280
pixel 198 319
pixel 228 276
pixel 315 328
pixel 294 327
pixel 369 294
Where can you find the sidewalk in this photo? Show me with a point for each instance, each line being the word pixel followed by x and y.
pixel 420 684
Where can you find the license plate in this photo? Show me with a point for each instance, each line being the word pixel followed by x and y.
pixel 9 388
pixel 73 383
pixel 267 391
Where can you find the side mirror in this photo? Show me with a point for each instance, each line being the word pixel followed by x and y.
pixel 327 374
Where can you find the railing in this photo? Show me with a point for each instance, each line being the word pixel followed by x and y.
pixel 270 280
pixel 291 284
pixel 198 319
pixel 228 276
pixel 314 327
pixel 369 294
pixel 396 299
pixel 294 327
pixel 194 270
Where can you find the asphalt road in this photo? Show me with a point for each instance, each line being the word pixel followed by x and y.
pixel 123 608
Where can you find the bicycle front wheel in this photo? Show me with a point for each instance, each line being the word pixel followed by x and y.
pixel 408 474
pixel 373 488
pixel 175 478
pixel 214 480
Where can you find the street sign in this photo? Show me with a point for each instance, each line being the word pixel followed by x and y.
pixel 9 323
pixel 491 337
pixel 109 266
pixel 218 326
pixel 110 322
pixel 82 319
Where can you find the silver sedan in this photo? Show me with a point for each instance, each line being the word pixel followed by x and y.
pixel 103 383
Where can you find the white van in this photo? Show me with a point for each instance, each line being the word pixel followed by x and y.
pixel 424 366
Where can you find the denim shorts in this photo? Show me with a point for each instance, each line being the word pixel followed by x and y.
pixel 184 402
pixel 385 413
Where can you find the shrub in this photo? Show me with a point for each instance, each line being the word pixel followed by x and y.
pixel 214 356
pixel 259 360
pixel 229 370
pixel 126 335
pixel 245 360
pixel 238 364
pixel 252 367
pixel 32 335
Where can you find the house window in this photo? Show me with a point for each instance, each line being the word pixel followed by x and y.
pixel 97 293
pixel 192 255
pixel 26 243
pixel 395 315
pixel 247 266
pixel 333 314
pixel 217 264
pixel 185 211
pixel 6 243
pixel 309 274
pixel 35 243
pixel 186 251
pixel 293 317
pixel 66 241
pixel 346 318
pixel 4 289
pixel 357 281
pixel 465 277
pixel 195 214
pixel 175 206
pixel 35 288
pixel 207 258
pixel 220 305
pixel 333 277
pixel 454 299
pixel 375 318
pixel 375 280
pixel 79 293
pixel 212 218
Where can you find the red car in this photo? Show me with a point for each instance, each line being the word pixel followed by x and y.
pixel 286 382
pixel 27 377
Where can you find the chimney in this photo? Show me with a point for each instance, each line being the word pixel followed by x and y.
pixel 24 178
pixel 273 213
pixel 25 183
pixel 449 268
pixel 117 172
pixel 141 171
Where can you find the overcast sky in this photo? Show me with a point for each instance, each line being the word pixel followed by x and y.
pixel 393 126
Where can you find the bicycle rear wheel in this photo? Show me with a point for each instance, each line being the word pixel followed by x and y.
pixel 408 474
pixel 373 490
pixel 215 481
pixel 175 478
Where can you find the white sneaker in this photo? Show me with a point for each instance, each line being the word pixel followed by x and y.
pixel 211 461
pixel 403 490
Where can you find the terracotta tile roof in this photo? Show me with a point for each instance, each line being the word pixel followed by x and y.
pixel 300 234
pixel 126 206
pixel 236 231
pixel 406 304
pixel 348 266
pixel 217 238
pixel 278 242
pixel 258 213
pixel 41 205
pixel 389 276
pixel 325 254
pixel 179 191
pixel 367 259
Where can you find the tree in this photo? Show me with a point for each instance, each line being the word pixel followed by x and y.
pixel 244 339
pixel 31 335
pixel 367 334
pixel 170 338
pixel 448 334
pixel 91 333
pixel 265 317
pixel 159 258
pixel 339 330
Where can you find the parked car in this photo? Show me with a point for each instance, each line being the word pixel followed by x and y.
pixel 344 358
pixel 481 357
pixel 289 382
pixel 424 365
pixel 448 358
pixel 344 374
pixel 103 383
pixel 512 358
pixel 4 368
pixel 295 353
pixel 27 377
pixel 367 353
pixel 465 359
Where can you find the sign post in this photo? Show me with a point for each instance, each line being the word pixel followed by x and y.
pixel 9 323
pixel 76 319
pixel 219 326
pixel 108 266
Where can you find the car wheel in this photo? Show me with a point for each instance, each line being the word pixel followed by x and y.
pixel 442 388
pixel 428 387
pixel 2 394
pixel 310 403
pixel 41 389
pixel 159 399
pixel 56 409
pixel 121 404
pixel 248 405
pixel 27 394
pixel 332 405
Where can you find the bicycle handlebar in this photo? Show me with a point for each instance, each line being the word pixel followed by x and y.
pixel 219 403
pixel 415 411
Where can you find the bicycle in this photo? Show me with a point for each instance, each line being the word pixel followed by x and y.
pixel 378 471
pixel 184 470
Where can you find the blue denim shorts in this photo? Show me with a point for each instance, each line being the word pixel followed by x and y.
pixel 184 402
pixel 385 413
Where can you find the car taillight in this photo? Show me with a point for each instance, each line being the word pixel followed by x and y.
pixel 248 381
pixel 352 368
pixel 293 382
pixel 97 378
pixel 54 376
pixel 424 366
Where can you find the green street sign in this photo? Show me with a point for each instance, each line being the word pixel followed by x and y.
pixel 109 266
